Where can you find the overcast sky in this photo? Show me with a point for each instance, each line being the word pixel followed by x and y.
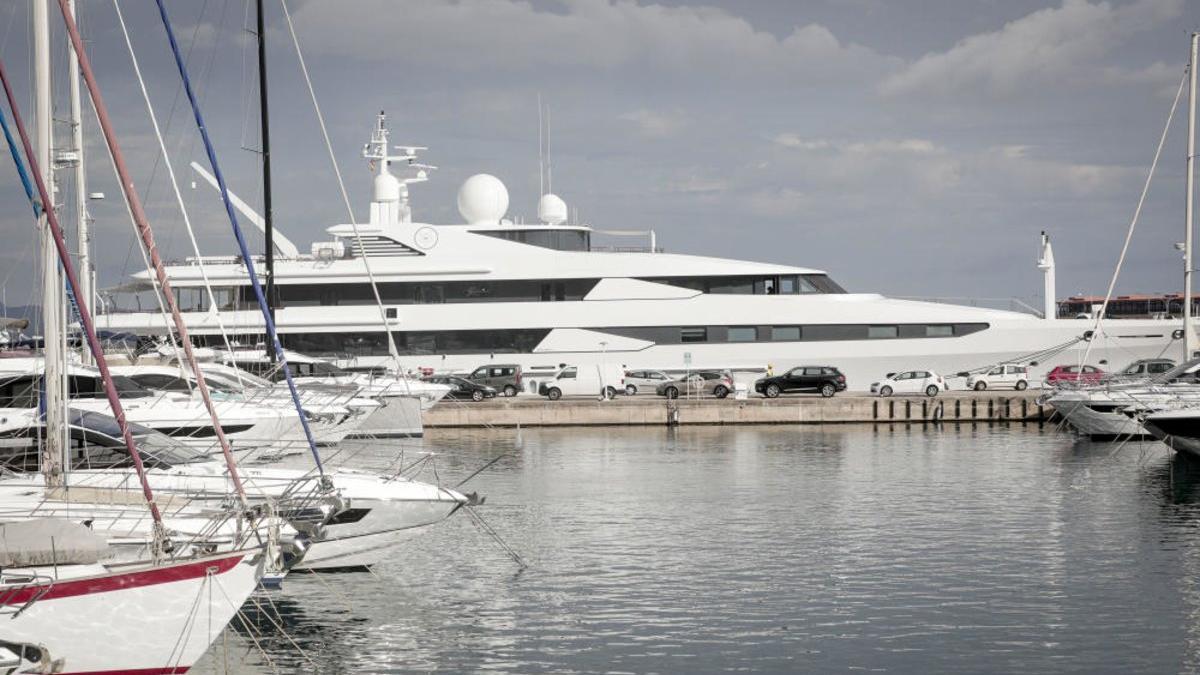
pixel 914 148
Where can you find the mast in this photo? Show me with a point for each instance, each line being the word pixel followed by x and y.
pixel 264 123
pixel 1188 330
pixel 86 274
pixel 53 328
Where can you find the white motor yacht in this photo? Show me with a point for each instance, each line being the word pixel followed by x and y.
pixel 495 289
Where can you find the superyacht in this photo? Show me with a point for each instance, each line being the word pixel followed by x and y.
pixel 496 290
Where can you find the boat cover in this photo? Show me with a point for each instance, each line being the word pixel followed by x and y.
pixel 49 541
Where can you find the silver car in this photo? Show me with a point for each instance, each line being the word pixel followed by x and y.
pixel 643 381
pixel 697 384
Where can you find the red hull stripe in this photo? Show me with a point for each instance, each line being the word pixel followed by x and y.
pixel 122 581
pixel 178 670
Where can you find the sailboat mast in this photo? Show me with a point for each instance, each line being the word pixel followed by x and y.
pixel 53 328
pixel 264 122
pixel 83 229
pixel 1188 330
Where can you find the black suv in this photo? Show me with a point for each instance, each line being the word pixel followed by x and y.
pixel 825 380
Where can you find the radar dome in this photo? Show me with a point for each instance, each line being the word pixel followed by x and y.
pixel 552 210
pixel 482 200
pixel 387 188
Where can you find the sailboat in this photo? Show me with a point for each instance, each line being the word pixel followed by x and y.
pixel 66 609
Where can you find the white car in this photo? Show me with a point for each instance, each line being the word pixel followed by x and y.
pixel 910 382
pixel 1000 377
pixel 643 381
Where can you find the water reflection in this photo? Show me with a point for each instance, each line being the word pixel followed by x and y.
pixel 776 549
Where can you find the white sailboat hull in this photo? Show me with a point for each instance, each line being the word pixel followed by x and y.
pixel 132 618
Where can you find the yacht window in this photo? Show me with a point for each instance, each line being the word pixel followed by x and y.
pixel 882 332
pixel 19 392
pixel 788 285
pixel 939 331
pixel 785 333
pixel 743 334
pixel 695 334
pixel 161 382
pixel 544 237
pixel 807 286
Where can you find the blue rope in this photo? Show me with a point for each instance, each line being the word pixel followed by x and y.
pixel 237 233
pixel 16 155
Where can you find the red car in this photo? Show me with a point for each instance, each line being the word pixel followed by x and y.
pixel 1076 374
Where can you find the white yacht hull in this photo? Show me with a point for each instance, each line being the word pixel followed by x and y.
pixel 398 416
pixel 387 525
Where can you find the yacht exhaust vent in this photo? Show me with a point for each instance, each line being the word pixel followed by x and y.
pixel 378 247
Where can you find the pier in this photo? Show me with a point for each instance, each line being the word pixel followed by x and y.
pixel 534 411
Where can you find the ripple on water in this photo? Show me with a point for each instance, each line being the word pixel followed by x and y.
pixel 773 549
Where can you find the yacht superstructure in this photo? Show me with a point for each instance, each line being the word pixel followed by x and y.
pixel 492 290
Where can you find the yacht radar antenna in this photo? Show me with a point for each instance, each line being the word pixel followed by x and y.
pixel 551 209
pixel 389 188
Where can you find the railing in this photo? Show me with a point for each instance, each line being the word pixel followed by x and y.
pixel 1012 304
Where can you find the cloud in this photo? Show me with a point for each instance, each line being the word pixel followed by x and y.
pixel 1049 45
pixel 656 124
pixel 911 171
pixel 597 34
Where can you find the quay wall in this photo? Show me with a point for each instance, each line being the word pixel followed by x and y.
pixel 530 411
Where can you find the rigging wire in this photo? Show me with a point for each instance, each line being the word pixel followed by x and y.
pixel 392 350
pixel 160 535
pixel 247 259
pixel 147 237
pixel 1137 212
pixel 175 186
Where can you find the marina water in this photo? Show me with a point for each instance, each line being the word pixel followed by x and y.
pixel 769 549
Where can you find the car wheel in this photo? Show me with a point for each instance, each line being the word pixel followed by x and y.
pixel 772 391
pixel 610 392
pixel 554 394
pixel 510 390
pixel 672 392
pixel 1021 385
pixel 885 391
pixel 980 386
pixel 477 395
pixel 828 390
pixel 932 390
pixel 630 390
pixel 720 391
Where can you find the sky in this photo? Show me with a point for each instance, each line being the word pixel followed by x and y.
pixel 912 148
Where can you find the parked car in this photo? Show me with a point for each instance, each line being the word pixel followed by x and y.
pixel 643 380
pixel 910 382
pixel 1075 374
pixel 593 380
pixel 825 380
pixel 1146 368
pixel 460 387
pixel 700 383
pixel 1007 376
pixel 504 378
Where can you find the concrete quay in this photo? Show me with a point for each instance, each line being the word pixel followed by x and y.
pixel 535 411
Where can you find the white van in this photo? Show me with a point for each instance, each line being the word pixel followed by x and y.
pixel 594 380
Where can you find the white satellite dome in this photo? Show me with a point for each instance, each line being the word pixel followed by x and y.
pixel 552 210
pixel 483 200
pixel 387 188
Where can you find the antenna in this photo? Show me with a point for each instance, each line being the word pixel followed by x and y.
pixel 541 150
pixel 549 166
